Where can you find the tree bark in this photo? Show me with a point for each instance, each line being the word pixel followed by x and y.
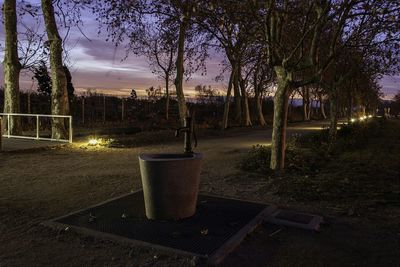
pixel 167 97
pixel 349 108
pixel 333 109
pixel 322 106
pixel 228 101
pixel 11 66
pixel 306 103
pixel 259 111
pixel 238 103
pixel 180 69
pixel 122 109
pixel 29 103
pixel 83 110
pixel 59 93
pixel 290 107
pixel 245 101
pixel 104 109
pixel 309 110
pixel 257 96
pixel 281 100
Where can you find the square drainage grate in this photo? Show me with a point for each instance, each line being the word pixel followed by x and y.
pixel 218 226
pixel 294 217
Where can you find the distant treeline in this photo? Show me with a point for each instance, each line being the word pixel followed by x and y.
pixel 96 109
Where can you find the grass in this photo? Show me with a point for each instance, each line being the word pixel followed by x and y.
pixel 362 168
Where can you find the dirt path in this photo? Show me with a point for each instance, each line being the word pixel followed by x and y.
pixel 37 186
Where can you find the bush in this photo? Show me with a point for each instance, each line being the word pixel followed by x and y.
pixel 308 153
pixel 355 135
pixel 256 160
pixel 314 139
pixel 347 174
pixel 297 160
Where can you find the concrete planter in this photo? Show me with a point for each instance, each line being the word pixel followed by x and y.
pixel 170 184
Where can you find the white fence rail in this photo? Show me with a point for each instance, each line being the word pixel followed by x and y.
pixel 6 121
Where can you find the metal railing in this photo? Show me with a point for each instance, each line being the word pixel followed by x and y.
pixel 37 137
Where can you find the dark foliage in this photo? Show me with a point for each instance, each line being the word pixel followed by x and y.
pixel 70 86
pixel 363 165
pixel 41 74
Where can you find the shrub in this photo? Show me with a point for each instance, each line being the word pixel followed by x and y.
pixel 355 135
pixel 256 160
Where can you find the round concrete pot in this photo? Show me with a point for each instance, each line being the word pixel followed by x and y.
pixel 170 184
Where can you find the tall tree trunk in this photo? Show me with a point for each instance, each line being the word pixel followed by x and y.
pixel 238 103
pixel 350 109
pixel 245 101
pixel 259 111
pixel 306 103
pixel 333 109
pixel 363 110
pixel 59 93
pixel 11 66
pixel 167 97
pixel 228 101
pixel 29 103
pixel 281 100
pixel 180 69
pixel 304 108
pixel 322 106
pixel 290 107
pixel 257 95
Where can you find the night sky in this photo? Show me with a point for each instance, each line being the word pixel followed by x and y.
pixel 97 65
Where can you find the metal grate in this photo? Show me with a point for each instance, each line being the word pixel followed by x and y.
pixel 217 219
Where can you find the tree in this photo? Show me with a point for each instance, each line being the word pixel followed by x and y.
pixel 20 54
pixel 70 85
pixel 126 20
pixel 44 87
pixel 206 94
pixel 32 48
pixel 294 33
pixel 59 94
pixel 395 107
pixel 228 27
pixel 133 94
pixel 43 79
pixel 261 82
pixel 154 93
pixel 160 47
pixel 291 35
pixel 185 10
pixel 11 66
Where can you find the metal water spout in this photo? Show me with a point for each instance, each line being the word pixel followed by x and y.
pixel 189 132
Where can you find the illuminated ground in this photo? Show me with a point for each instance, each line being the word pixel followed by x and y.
pixel 37 186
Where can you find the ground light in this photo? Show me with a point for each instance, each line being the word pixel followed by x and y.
pixel 362 118
pixel 93 142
